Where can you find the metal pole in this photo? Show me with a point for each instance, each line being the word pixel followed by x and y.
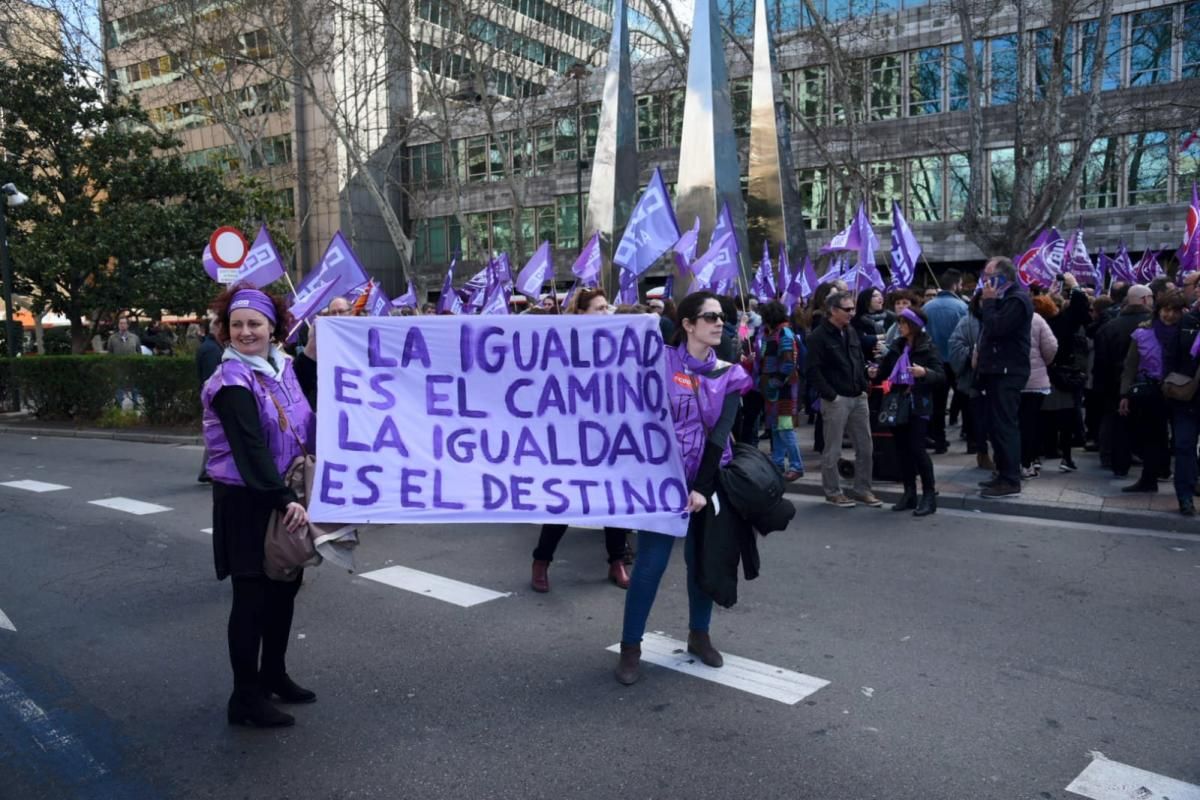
pixel 10 342
pixel 579 159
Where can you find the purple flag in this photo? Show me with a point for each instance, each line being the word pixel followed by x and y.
pixel 408 299
pixel 1078 262
pixel 262 265
pixel 587 267
pixel 763 285
pixel 627 291
pixel 685 249
pixel 1121 266
pixel 1042 262
pixel 338 273
pixel 858 237
pixel 785 270
pixel 474 291
pixel 832 272
pixel 1147 268
pixel 808 280
pixel 1189 253
pixel 902 372
pixel 503 269
pixel 668 287
pixel 378 303
pixel 539 270
pixel 495 299
pixel 718 265
pixel 449 302
pixel 905 250
pixel 651 230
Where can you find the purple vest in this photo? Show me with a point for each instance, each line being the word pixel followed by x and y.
pixel 282 444
pixel 691 421
pixel 1150 357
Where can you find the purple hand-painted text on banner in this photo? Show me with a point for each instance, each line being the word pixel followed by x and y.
pixel 497 419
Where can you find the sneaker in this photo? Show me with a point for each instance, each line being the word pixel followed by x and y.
pixel 868 499
pixel 1067 465
pixel 841 501
pixel 1028 472
pixel 791 475
pixel 1001 488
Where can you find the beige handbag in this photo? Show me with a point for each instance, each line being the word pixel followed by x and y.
pixel 1181 387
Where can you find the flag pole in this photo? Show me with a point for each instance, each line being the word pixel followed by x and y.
pixel 932 274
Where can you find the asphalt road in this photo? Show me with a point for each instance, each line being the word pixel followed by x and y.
pixel 968 656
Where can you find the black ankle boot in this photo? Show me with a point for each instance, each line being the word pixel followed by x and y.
pixel 285 689
pixel 247 706
pixel 908 501
pixel 927 506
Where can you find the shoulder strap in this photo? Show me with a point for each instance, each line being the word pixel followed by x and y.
pixel 720 433
pixel 284 424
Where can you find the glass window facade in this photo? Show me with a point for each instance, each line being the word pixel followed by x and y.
pixel 1147 167
pixel 812 94
pixel 1003 173
pixel 1112 55
pixel 1002 70
pixel 925 80
pixel 1101 178
pixel 568 221
pixel 885 87
pixel 959 85
pixel 1150 47
pixel 814 198
pixel 651 121
pixel 886 185
pixel 958 183
pixel 1053 56
pixel 924 189
pixel 1189 35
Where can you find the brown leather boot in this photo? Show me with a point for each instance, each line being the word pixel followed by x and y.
pixel 541 576
pixel 618 575
pixel 627 668
pixel 699 644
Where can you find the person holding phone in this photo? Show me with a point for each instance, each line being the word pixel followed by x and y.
pixel 1002 364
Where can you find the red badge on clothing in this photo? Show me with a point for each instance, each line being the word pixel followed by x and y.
pixel 688 382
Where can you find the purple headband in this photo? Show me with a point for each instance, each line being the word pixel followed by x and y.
pixel 912 318
pixel 254 300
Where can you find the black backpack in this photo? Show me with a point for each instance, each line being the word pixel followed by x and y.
pixel 755 488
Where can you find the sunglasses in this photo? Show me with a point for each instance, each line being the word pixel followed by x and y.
pixel 711 317
pixel 847 309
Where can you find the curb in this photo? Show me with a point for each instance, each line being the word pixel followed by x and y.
pixel 1064 512
pixel 96 433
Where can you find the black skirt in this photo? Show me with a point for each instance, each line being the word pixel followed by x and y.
pixel 240 517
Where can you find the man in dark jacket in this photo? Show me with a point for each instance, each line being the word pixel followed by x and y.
pixel 1111 345
pixel 1002 364
pixel 837 372
pixel 1185 417
pixel 208 358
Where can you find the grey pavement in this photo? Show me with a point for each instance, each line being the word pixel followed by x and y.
pixel 1092 494
pixel 969 655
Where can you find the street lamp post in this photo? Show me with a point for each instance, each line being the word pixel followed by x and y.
pixel 9 196
pixel 578 71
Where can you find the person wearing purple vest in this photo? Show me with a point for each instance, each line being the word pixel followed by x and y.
pixel 1155 344
pixel 256 421
pixel 699 388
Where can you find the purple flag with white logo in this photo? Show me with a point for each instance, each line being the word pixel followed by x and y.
pixel 338 273
pixel 1042 262
pixel 718 266
pixel 763 285
pixel 587 267
pixel 449 301
pixel 408 299
pixel 1078 262
pixel 905 250
pixel 627 292
pixel 1121 266
pixel 785 270
pixel 535 274
pixel 261 267
pixel 1147 268
pixel 651 230
pixel 1189 253
pixel 503 269
pixel 378 303
pixel 858 237
pixel 495 298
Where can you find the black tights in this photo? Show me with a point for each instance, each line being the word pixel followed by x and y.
pixel 911 454
pixel 261 618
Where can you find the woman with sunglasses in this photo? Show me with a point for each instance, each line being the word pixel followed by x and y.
pixel 698 385
pixel 588 301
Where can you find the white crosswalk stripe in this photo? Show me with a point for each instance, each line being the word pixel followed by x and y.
pixel 35 486
pixel 764 680
pixel 435 586
pixel 1111 780
pixel 206 530
pixel 5 622
pixel 130 506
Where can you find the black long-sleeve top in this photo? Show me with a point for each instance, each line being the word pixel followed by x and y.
pixel 238 411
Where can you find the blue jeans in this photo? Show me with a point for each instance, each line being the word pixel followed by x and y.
pixel 653 553
pixel 1187 430
pixel 784 448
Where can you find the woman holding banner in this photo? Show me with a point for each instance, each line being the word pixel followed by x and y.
pixel 704 394
pixel 256 421
pixel 588 301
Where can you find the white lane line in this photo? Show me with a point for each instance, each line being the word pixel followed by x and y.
pixel 764 680
pixel 80 763
pixel 1111 780
pixel 35 486
pixel 129 506
pixel 6 623
pixel 206 530
pixel 435 586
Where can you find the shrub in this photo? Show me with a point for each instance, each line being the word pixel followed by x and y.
pixel 83 388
